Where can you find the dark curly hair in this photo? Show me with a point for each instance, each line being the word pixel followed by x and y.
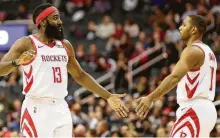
pixel 39 9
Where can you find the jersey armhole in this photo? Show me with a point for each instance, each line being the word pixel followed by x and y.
pixel 197 69
pixel 66 49
pixel 35 48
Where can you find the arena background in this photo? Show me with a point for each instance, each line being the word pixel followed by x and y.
pixel 129 46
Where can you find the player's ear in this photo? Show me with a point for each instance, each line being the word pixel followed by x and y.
pixel 194 30
pixel 43 22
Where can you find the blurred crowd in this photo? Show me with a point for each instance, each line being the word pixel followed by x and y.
pixel 122 39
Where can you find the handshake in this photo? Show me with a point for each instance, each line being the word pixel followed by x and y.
pixel 144 104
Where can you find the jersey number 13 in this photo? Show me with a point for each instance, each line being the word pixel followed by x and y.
pixel 57 74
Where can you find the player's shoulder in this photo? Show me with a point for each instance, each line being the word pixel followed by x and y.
pixel 66 43
pixel 194 50
pixel 68 47
pixel 23 43
pixel 24 40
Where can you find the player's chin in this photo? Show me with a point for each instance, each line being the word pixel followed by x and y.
pixel 181 37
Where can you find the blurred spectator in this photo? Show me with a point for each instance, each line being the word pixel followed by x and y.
pixel 157 17
pixel 202 10
pixel 189 11
pixel 216 8
pixel 80 53
pixel 131 28
pixel 171 50
pixel 169 18
pixel 102 6
pixel 3 16
pixel 74 5
pixel 161 132
pixel 106 28
pixel 80 131
pixel 78 8
pixel 111 47
pixel 129 5
pixel 118 31
pixel 91 31
pixel 139 49
pixel 142 86
pixel 216 45
pixel 124 130
pixel 125 45
pixel 158 34
pixel 169 126
pixel 102 129
pixel 173 33
pixel 143 39
pixel 120 81
pixel 154 118
pixel 115 134
pixel 217 130
pixel 147 132
pixel 89 103
pixel 78 117
pixel 22 12
pixel 164 72
pixel 93 56
pixel 93 120
pixel 103 64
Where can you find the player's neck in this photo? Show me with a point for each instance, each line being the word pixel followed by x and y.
pixel 193 39
pixel 43 38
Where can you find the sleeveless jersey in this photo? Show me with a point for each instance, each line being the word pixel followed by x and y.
pixel 46 75
pixel 201 82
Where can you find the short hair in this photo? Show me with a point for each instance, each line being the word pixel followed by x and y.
pixel 39 9
pixel 200 23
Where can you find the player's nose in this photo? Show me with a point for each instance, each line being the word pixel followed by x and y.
pixel 60 23
pixel 180 28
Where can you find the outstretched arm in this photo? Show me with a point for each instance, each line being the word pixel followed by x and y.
pixel 13 54
pixel 81 76
pixel 88 82
pixel 191 57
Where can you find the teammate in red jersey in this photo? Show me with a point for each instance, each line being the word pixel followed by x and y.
pixel 195 74
pixel 46 58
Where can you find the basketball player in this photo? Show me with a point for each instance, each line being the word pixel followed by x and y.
pixel 195 74
pixel 45 58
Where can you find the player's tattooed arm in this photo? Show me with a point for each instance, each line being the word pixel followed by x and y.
pixel 89 82
pixel 15 56
pixel 192 57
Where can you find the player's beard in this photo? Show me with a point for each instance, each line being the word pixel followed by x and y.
pixel 54 32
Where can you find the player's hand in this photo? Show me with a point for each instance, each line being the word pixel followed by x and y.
pixel 116 104
pixel 25 57
pixel 143 107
